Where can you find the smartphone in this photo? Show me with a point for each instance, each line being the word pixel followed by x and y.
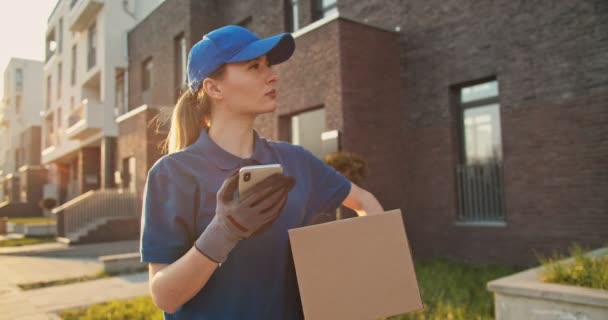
pixel 251 175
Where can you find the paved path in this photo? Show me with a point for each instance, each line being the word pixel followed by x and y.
pixel 52 261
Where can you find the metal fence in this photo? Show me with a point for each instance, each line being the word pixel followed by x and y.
pixel 480 192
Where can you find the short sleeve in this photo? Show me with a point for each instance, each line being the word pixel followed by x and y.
pixel 328 187
pixel 166 219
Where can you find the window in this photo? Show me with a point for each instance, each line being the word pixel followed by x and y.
pixel 147 74
pixel 92 46
pixel 181 61
pixel 481 123
pixel 48 92
pixel 18 103
pixel 129 173
pixel 120 93
pixel 73 69
pixel 17 158
pixel 306 130
pixel 19 79
pixel 292 19
pixel 323 8
pixel 50 132
pixel 51 45
pixel 59 125
pixel 60 36
pixel 59 80
pixel 479 173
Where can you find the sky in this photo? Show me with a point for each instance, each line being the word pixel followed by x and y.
pixel 22 30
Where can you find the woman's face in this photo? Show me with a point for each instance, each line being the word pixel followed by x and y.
pixel 246 86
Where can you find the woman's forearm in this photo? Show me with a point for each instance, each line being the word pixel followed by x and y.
pixel 178 282
pixel 369 205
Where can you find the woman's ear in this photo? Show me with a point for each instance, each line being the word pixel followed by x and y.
pixel 212 88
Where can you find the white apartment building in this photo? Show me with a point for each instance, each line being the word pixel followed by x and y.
pixel 19 119
pixel 84 90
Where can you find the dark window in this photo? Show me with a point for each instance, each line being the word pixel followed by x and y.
pixel 292 19
pixel 74 69
pixel 120 93
pixel 323 8
pixel 147 74
pixel 92 46
pixel 60 36
pixel 48 92
pixel 18 104
pixel 50 132
pixel 59 125
pixel 19 79
pixel 17 158
pixel 181 61
pixel 59 80
pixel 479 172
pixel 51 45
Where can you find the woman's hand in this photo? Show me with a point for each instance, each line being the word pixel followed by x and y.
pixel 251 214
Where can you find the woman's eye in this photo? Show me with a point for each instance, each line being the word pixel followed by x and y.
pixel 257 65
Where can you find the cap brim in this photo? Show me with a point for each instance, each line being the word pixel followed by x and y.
pixel 277 48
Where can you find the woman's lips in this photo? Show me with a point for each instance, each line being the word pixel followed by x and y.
pixel 272 93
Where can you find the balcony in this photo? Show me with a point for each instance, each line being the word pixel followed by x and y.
pixel 83 12
pixel 86 120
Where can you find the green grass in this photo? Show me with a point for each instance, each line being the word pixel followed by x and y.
pixel 450 291
pixel 44 284
pixel 60 282
pixel 454 290
pixel 140 308
pixel 584 271
pixel 26 241
pixel 32 220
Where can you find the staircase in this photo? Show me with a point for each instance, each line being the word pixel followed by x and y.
pixel 98 216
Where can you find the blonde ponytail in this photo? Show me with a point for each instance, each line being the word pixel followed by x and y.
pixel 191 114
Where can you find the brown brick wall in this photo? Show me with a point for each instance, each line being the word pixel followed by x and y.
pixel 552 78
pixel 549 60
pixel 310 79
pixel 154 37
pixel 139 138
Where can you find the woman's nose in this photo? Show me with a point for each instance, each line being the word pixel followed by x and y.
pixel 273 75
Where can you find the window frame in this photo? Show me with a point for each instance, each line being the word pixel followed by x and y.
pixel 146 84
pixel 462 106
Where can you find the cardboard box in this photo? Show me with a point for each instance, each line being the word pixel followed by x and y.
pixel 356 268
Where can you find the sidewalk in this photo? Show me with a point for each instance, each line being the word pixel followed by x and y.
pixel 42 303
pixel 63 249
pixel 53 261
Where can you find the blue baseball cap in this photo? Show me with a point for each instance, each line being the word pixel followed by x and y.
pixel 233 43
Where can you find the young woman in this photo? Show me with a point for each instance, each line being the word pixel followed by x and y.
pixel 211 256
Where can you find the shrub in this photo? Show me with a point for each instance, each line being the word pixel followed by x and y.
pixel 351 165
pixel 584 270
pixel 48 203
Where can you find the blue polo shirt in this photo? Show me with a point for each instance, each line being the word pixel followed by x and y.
pixel 258 280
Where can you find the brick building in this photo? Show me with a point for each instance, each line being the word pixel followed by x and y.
pixel 486 123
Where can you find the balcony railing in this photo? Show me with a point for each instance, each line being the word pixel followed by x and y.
pixel 77 114
pixel 480 192
pixel 83 12
pixel 85 120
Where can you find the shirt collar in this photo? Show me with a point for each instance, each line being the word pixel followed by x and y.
pixel 226 160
